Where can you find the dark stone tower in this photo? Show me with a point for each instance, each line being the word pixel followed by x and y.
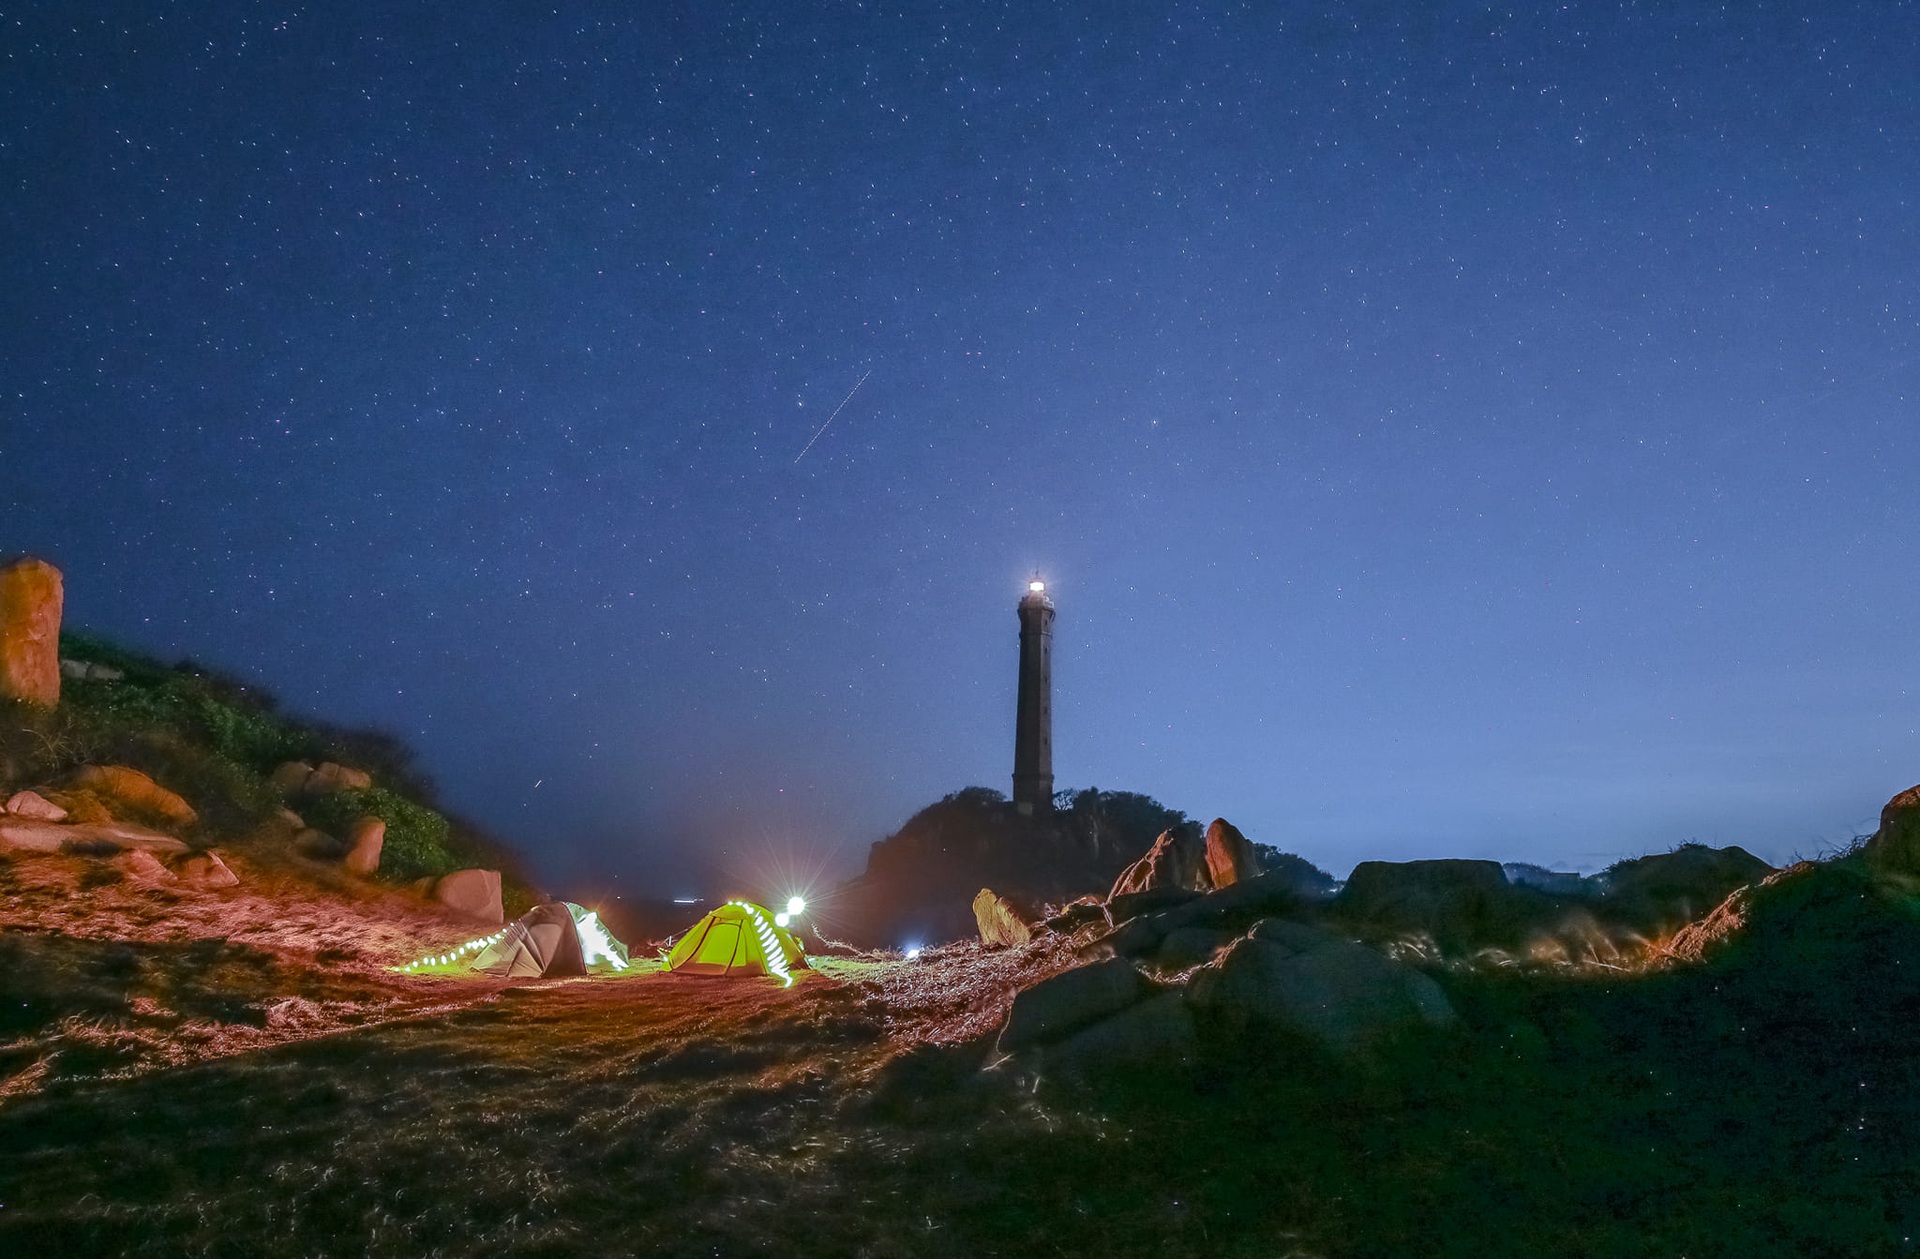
pixel 1033 720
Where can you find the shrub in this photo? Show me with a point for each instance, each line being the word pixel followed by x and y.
pixel 418 839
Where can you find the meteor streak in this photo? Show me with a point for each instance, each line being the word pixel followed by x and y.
pixel 830 419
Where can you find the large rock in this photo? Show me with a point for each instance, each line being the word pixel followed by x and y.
pixel 291 776
pixel 31 804
pixel 1178 859
pixel 1159 1029
pixel 1229 909
pixel 1000 926
pixel 1055 1008
pixel 1230 858
pixel 30 600
pixel 131 787
pixel 1895 847
pixel 475 893
pixel 1339 994
pixel 330 777
pixel 369 836
pixel 1462 905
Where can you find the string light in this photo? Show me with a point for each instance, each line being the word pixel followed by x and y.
pixel 447 959
pixel 769 943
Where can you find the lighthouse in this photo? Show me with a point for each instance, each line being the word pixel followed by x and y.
pixel 1033 716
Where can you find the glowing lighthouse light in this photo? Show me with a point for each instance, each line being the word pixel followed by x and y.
pixel 1037 587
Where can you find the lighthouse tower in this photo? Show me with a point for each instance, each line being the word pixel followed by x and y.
pixel 1033 718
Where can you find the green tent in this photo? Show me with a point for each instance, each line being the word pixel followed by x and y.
pixel 738 938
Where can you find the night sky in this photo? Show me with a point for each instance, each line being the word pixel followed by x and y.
pixel 1446 430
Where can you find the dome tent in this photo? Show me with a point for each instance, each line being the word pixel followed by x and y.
pixel 551 941
pixel 738 938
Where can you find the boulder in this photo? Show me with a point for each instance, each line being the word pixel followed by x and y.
pixel 1177 859
pixel 31 804
pixel 1000 926
pixel 143 865
pixel 1339 994
pixel 1666 890
pixel 291 776
pixel 1229 909
pixel 30 601
pixel 1159 1029
pixel 330 777
pixel 1055 1008
pixel 1230 858
pixel 474 893
pixel 1895 847
pixel 1134 904
pixel 1190 946
pixel 207 870
pixel 135 789
pixel 369 835
pixel 1460 904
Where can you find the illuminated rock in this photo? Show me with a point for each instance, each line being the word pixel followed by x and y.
pixel 291 776
pixel 475 893
pixel 369 835
pixel 133 788
pixel 1000 926
pixel 31 804
pixel 1230 858
pixel 1178 859
pixel 30 602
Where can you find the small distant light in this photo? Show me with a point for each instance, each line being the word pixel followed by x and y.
pixel 781 920
pixel 795 906
pixel 1037 587
pixel 913 952
pixel 686 900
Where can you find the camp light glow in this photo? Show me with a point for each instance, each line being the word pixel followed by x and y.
pixel 448 958
pixel 594 944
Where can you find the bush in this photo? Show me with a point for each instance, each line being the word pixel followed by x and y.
pixel 418 839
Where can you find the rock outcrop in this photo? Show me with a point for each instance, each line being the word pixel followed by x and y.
pixel 1000 926
pixel 474 893
pixel 1178 859
pixel 30 604
pixel 1895 847
pixel 208 870
pixel 1230 858
pixel 134 789
pixel 330 777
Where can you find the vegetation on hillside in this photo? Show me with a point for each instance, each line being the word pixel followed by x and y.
pixel 215 740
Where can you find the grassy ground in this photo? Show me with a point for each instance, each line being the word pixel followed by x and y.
pixel 1725 1110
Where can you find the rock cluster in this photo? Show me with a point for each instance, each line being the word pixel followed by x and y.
pixel 1182 859
pixel 137 791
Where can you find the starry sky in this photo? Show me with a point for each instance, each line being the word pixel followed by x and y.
pixel 1446 429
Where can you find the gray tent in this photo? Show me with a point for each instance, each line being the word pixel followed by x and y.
pixel 551 941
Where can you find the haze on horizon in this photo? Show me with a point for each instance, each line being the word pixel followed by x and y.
pixel 1445 432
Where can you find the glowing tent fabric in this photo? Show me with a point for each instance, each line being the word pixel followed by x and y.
pixel 551 941
pixel 739 938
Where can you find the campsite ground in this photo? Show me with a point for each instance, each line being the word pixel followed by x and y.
pixel 166 1100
